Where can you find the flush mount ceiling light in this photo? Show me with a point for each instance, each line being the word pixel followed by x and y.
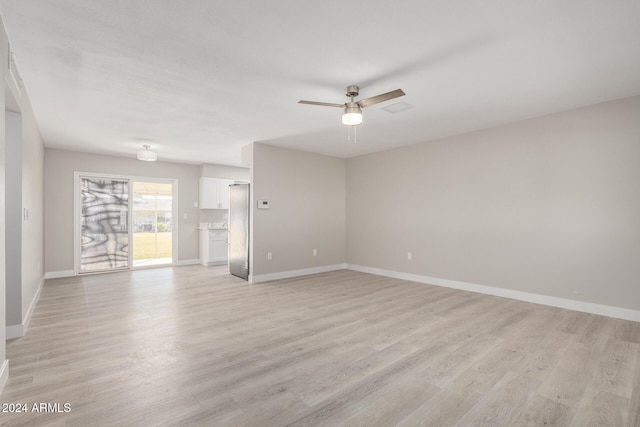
pixel 147 155
pixel 352 110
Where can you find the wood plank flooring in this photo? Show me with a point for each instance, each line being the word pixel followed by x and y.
pixel 194 346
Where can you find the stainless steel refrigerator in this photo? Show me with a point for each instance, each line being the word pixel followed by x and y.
pixel 239 230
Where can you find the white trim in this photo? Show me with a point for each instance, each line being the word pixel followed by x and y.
pixel 4 374
pixel 59 274
pixel 14 331
pixel 76 222
pixel 587 307
pixel 175 220
pixel 214 263
pixel 34 302
pixel 129 228
pixel 295 273
pixel 17 331
pixel 188 262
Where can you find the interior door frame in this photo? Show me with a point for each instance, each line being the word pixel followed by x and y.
pixel 77 175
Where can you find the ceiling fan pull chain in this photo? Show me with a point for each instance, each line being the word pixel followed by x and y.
pixel 355 134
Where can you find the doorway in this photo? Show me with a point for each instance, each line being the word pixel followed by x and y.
pixel 124 222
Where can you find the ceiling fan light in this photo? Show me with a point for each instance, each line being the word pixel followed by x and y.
pixel 351 119
pixel 147 155
pixel 352 115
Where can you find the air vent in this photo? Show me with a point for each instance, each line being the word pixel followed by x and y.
pixel 398 107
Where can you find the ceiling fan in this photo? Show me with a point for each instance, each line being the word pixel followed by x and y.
pixel 352 110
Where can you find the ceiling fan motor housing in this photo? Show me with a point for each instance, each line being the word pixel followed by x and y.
pixel 352 91
pixel 352 107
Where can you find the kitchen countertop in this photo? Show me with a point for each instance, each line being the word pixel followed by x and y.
pixel 211 228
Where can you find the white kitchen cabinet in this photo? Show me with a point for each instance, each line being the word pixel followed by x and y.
pixel 214 193
pixel 208 193
pixel 213 247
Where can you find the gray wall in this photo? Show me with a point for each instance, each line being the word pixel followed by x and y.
pixel 4 51
pixel 307 196
pixel 3 297
pixel 24 191
pixel 549 205
pixel 21 180
pixel 59 189
pixel 13 211
pixel 33 201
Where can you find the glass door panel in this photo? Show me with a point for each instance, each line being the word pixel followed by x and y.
pixel 104 220
pixel 152 223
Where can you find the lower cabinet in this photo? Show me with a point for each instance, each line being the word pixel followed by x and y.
pixel 213 247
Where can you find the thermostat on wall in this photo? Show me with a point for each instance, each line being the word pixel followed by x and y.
pixel 263 204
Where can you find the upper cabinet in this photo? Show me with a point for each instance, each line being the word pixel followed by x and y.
pixel 214 193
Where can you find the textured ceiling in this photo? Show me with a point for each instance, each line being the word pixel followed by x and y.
pixel 199 79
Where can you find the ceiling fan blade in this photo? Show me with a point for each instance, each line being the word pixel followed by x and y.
pixel 380 98
pixel 322 104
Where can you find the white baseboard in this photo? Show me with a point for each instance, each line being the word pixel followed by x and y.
pixel 587 307
pixel 295 273
pixel 59 274
pixel 14 331
pixel 215 263
pixel 32 306
pixel 188 262
pixel 17 331
pixel 4 375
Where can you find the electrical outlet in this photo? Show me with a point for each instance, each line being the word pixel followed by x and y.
pixel 185 216
pixel 315 252
pixel 269 256
pixel 195 204
pixel 225 215
pixel 409 255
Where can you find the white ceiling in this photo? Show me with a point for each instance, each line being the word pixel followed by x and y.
pixel 198 79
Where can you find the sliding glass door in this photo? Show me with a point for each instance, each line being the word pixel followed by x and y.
pixel 104 220
pixel 123 222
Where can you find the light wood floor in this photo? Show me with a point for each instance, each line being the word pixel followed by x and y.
pixel 195 346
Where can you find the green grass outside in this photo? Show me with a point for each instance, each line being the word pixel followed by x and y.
pixel 144 245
